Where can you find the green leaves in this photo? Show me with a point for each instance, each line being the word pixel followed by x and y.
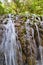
pixel 1 8
pixel 18 7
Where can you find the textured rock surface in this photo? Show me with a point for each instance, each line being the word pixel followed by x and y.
pixel 2 29
pixel 28 58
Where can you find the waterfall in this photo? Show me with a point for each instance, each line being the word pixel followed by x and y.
pixel 31 40
pixel 28 38
pixel 11 41
pixel 39 48
pixel 9 44
pixel 34 44
pixel 38 33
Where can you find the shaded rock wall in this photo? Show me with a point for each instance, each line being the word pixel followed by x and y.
pixel 2 30
pixel 23 38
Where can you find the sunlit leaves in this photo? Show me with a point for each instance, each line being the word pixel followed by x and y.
pixel 21 7
pixel 1 8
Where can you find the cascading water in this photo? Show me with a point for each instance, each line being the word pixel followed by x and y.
pixel 38 32
pixel 11 47
pixel 39 48
pixel 9 44
pixel 34 43
pixel 30 38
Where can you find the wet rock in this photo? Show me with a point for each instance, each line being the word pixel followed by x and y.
pixel 2 60
pixel 28 57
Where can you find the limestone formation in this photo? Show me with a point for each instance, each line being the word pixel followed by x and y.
pixel 27 37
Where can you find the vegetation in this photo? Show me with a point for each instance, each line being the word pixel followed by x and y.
pixel 22 7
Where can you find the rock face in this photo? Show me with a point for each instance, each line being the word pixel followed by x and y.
pixel 27 37
pixel 2 60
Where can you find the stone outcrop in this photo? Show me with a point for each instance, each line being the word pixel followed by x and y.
pixel 2 30
pixel 29 47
